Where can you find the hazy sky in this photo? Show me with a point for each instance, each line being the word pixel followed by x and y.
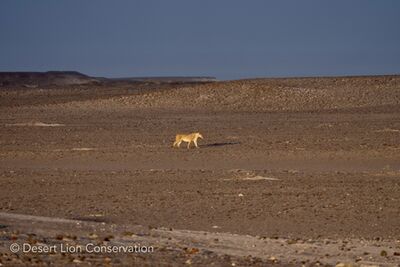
pixel 224 38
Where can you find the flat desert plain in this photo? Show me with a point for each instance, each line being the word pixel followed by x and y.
pixel 290 172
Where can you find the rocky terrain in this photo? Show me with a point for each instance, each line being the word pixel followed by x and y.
pixel 299 171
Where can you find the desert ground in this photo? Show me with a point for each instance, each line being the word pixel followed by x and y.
pixel 290 171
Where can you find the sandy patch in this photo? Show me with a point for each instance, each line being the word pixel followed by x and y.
pixel 83 149
pixel 388 130
pixel 253 178
pixel 258 177
pixel 36 124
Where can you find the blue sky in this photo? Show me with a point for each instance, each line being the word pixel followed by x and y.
pixel 229 39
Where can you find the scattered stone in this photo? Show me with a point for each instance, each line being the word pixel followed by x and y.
pixel 273 259
pixel 192 250
pixel 346 265
pixel 93 236
pixel 130 234
pixel 108 238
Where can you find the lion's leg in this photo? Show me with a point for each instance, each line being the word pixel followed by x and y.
pixel 195 143
pixel 189 144
pixel 176 142
pixel 179 143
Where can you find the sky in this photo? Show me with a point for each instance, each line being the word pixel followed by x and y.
pixel 227 39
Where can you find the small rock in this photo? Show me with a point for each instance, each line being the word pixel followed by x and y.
pixel 273 259
pixel 130 234
pixel 108 238
pixel 345 265
pixel 192 250
pixel 93 236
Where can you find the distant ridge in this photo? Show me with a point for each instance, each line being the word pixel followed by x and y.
pixel 60 78
pixel 34 79
pixel 167 79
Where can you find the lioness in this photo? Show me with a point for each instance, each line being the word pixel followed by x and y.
pixel 189 138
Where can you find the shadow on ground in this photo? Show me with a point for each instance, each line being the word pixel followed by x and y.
pixel 220 144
